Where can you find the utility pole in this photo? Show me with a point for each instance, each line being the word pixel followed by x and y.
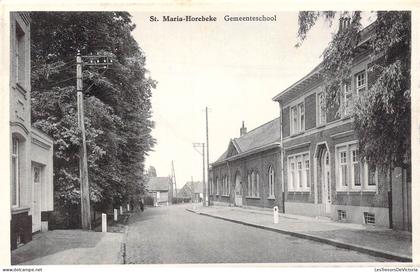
pixel 204 171
pixel 208 168
pixel 83 167
pixel 174 178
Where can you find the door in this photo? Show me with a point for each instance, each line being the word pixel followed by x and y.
pixel 326 182
pixel 238 190
pixel 36 206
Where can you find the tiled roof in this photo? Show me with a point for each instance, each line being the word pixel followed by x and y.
pixel 261 136
pixel 187 189
pixel 158 184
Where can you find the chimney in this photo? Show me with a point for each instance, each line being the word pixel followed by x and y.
pixel 243 129
pixel 344 23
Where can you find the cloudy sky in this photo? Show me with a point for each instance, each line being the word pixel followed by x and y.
pixel 234 68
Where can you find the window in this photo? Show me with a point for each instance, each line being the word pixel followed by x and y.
pixel 297 118
pixel 360 80
pixel 369 218
pixel 291 174
pixel 354 173
pixel 270 182
pixel 299 172
pixel 342 216
pixel 307 174
pixel 20 55
pixel 225 186
pixel 343 176
pixel 15 173
pixel 217 187
pixel 249 186
pixel 347 99
pixel 257 185
pixel 355 166
pixel 322 113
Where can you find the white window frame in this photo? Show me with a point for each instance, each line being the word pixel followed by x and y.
pixel 347 99
pixel 297 108
pixel 249 186
pixel 321 108
pixel 271 182
pixel 16 171
pixel 357 83
pixel 293 174
pixel 341 186
pixel 217 186
pixel 348 147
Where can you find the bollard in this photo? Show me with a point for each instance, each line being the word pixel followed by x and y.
pixel 121 210
pixel 128 207
pixel 115 215
pixel 276 214
pixel 104 222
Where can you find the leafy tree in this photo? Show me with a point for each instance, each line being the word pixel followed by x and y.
pixel 382 114
pixel 152 171
pixel 117 104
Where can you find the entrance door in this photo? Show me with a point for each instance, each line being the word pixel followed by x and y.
pixel 238 190
pixel 326 182
pixel 36 206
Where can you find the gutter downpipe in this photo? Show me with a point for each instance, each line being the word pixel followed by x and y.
pixel 282 158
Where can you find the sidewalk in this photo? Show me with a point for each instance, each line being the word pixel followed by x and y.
pixel 70 247
pixel 371 240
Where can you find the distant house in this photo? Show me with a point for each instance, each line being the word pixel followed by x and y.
pixel 193 190
pixel 160 189
pixel 31 150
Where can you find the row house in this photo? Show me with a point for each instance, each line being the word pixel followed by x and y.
pixel 247 173
pixel 31 150
pixel 317 152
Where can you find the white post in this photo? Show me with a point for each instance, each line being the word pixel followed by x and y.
pixel 276 214
pixel 128 207
pixel 121 210
pixel 115 215
pixel 104 222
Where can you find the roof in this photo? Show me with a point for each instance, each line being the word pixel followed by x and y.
pixel 158 184
pixel 259 137
pixel 187 188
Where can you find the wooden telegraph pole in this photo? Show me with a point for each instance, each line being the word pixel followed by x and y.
pixel 83 167
pixel 208 168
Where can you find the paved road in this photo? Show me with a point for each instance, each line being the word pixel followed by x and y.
pixel 170 235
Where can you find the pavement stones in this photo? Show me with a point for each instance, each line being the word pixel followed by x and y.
pixel 378 242
pixel 59 247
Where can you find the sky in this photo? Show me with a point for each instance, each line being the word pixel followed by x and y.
pixel 233 68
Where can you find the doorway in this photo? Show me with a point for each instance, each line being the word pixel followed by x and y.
pixel 37 197
pixel 326 181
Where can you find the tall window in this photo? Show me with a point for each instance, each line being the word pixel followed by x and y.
pixel 307 174
pixel 217 187
pixel 15 173
pixel 360 80
pixel 322 112
pixel 249 187
pixel 270 182
pixel 298 118
pixel 343 167
pixel 299 177
pixel 20 55
pixel 347 99
pixel 355 166
pixel 354 173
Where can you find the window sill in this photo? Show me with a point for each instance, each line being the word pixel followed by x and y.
pixel 271 198
pixel 321 125
pixel 253 197
pixel 297 134
pixel 225 195
pixel 17 210
pixel 300 192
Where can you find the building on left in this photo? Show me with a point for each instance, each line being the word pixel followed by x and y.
pixel 31 150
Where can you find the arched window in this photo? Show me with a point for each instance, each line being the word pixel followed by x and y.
pixel 270 182
pixel 249 187
pixel 15 173
pixel 257 185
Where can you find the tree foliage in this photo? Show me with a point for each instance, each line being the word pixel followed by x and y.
pixel 382 114
pixel 117 103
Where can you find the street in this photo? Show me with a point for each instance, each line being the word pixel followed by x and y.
pixel 170 235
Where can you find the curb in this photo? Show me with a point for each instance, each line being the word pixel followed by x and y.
pixel 336 243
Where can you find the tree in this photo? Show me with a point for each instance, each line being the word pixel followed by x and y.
pixel 117 104
pixel 382 114
pixel 152 171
